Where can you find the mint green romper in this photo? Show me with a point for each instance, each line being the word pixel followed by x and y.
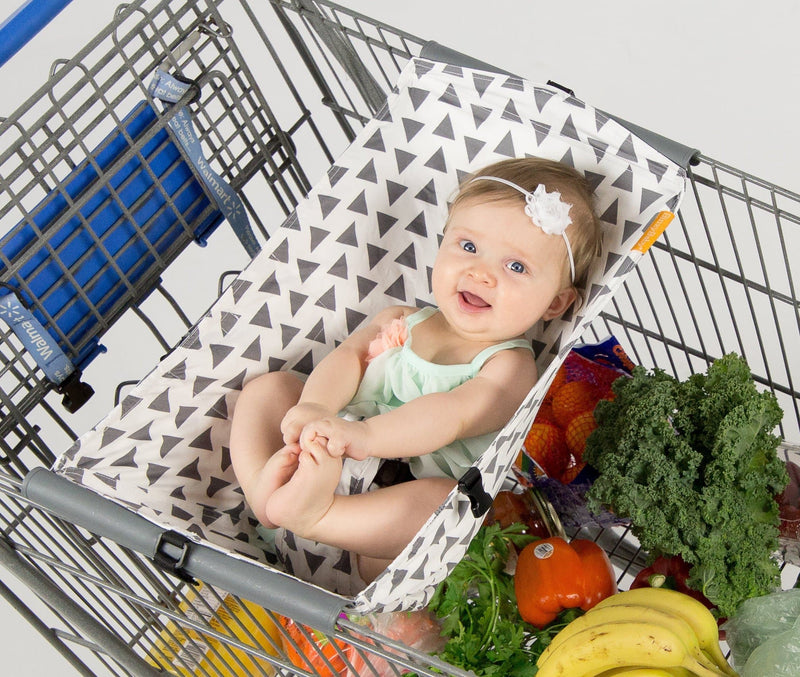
pixel 398 375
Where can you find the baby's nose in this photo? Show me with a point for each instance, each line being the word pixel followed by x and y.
pixel 482 274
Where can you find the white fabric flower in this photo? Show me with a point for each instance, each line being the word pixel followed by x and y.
pixel 547 210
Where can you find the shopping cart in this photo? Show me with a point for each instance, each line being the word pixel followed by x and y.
pixel 102 203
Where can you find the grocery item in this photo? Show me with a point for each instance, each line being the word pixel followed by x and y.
pixel 191 653
pixel 554 445
pixel 313 651
pixel 764 635
pixel 694 612
pixel 591 651
pixel 479 615
pixel 553 575
pixel 693 465
pixel 668 572
pixel 789 510
pixel 509 507
pixel 648 629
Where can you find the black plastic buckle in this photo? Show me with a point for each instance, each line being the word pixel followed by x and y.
pixel 173 565
pixel 75 392
pixel 194 87
pixel 563 88
pixel 471 484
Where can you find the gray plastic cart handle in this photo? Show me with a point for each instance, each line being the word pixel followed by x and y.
pixel 269 588
pixel 677 152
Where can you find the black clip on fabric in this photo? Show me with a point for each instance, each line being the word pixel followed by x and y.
pixel 75 392
pixel 471 485
pixel 173 565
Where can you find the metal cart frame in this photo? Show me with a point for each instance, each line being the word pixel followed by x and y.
pixel 720 280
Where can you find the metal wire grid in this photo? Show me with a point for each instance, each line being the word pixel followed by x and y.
pixel 338 43
pixel 64 126
pixel 124 613
pixel 86 98
pixel 97 591
pixel 129 617
pixel 670 314
pixel 721 279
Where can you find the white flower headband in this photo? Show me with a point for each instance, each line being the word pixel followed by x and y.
pixel 547 211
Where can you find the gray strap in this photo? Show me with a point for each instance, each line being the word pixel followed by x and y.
pixel 347 57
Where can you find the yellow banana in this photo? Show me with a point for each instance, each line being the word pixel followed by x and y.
pixel 589 652
pixel 626 613
pixel 646 672
pixel 694 612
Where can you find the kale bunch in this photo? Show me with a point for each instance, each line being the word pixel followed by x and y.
pixel 693 465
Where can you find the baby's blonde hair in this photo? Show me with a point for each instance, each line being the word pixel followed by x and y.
pixel 584 233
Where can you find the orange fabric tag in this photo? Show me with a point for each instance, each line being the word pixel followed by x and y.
pixel 658 226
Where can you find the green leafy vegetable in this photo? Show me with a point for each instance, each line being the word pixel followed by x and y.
pixel 693 464
pixel 479 610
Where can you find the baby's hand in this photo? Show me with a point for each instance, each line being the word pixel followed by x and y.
pixel 298 417
pixel 339 437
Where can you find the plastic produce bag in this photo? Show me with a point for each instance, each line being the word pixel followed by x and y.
pixel 552 455
pixel 420 630
pixel 764 635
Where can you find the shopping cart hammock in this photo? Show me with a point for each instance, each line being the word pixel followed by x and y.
pixel 366 236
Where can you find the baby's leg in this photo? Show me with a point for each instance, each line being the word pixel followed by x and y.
pixel 376 525
pixel 256 437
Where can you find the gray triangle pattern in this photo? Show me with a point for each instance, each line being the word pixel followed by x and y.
pixel 542 132
pixel 163 450
pixel 480 114
pixel 327 300
pixel 349 236
pixel 450 97
pixel 317 236
pixel 473 147
pixel 403 159
pixel 130 403
pixel 178 371
pixel 385 223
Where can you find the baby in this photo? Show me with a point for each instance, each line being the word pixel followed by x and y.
pixel 431 385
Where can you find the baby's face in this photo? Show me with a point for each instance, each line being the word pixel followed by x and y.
pixel 497 274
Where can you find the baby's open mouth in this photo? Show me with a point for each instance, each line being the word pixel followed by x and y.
pixel 473 300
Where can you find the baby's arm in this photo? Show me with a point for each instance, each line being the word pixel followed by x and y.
pixel 334 381
pixel 423 425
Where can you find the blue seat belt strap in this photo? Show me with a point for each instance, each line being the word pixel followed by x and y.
pixel 48 355
pixel 37 341
pixel 166 87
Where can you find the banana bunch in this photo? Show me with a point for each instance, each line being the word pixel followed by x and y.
pixel 646 631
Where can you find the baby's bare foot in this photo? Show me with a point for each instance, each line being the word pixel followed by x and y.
pixel 300 504
pixel 277 471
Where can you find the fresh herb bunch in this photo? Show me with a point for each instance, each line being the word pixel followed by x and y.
pixel 693 464
pixel 479 610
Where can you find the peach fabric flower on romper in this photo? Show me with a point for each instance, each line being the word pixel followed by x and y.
pixel 393 335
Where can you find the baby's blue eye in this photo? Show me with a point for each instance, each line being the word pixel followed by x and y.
pixel 516 267
pixel 468 246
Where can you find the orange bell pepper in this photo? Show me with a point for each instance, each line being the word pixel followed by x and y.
pixel 553 575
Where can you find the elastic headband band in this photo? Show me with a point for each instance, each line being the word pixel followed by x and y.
pixel 547 211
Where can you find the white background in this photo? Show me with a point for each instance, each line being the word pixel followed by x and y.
pixel 721 76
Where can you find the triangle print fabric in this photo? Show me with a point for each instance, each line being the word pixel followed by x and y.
pixel 366 236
